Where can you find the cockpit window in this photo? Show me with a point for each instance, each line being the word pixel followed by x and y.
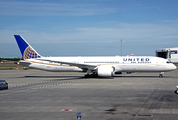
pixel 168 62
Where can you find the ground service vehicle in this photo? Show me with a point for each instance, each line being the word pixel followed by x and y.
pixel 3 85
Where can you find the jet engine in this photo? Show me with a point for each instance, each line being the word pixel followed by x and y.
pixel 105 71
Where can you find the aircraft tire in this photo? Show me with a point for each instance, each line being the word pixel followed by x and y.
pixel 160 75
pixel 176 92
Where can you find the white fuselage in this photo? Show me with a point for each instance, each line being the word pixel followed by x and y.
pixel 120 64
pixel 102 66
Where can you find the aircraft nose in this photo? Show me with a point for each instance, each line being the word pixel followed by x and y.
pixel 175 67
pixel 172 67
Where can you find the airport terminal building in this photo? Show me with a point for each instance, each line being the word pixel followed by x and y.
pixel 168 53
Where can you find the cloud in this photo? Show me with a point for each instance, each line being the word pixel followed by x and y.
pixel 127 31
pixel 156 7
pixel 169 37
pixel 48 9
pixel 142 38
pixel 132 32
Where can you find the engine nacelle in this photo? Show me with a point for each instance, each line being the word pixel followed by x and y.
pixel 105 71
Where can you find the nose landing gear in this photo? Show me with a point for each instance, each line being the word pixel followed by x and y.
pixel 176 91
pixel 161 74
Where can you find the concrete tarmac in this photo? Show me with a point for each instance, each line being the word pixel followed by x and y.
pixel 41 95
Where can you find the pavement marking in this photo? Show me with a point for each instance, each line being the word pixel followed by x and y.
pixel 64 83
pixel 28 84
pixel 67 110
pixel 45 86
pixel 145 115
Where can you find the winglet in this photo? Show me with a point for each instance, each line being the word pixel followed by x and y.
pixel 26 50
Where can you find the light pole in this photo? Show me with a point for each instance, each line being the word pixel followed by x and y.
pixel 121 47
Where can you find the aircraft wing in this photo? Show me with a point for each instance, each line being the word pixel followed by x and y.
pixel 80 65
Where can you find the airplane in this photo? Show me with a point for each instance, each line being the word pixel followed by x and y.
pixel 102 66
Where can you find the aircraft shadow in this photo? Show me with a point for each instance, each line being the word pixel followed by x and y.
pixel 143 76
pixel 70 77
pixel 53 76
pixel 82 77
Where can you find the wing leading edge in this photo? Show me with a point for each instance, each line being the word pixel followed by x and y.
pixel 80 65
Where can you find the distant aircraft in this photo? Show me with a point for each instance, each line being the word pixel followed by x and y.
pixel 106 66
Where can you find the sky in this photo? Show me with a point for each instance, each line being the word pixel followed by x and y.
pixel 89 27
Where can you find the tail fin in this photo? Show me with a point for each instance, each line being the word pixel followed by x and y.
pixel 26 50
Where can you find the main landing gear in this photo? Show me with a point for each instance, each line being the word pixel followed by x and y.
pixel 176 91
pixel 161 74
pixel 91 74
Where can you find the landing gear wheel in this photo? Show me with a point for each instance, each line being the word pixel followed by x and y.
pixel 91 76
pixel 87 76
pixel 160 75
pixel 176 91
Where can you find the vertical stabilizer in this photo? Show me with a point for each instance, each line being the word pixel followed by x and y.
pixel 26 50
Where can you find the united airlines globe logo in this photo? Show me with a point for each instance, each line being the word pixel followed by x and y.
pixel 30 53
